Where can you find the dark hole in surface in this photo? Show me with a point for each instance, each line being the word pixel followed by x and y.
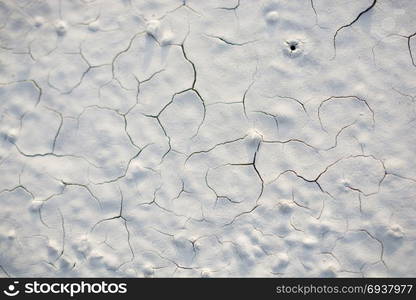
pixel 292 47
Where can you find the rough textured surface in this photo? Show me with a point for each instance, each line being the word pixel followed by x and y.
pixel 207 138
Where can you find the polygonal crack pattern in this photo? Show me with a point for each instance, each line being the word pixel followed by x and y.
pixel 207 138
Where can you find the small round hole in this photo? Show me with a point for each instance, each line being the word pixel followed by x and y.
pixel 293 47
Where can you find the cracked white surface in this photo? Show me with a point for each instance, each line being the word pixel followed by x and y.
pixel 207 138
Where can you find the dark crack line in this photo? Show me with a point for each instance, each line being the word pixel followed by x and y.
pixel 409 37
pixel 157 117
pixel 125 170
pixel 213 147
pixel 253 164
pixel 124 117
pixel 54 154
pixel 410 49
pixel 360 203
pixel 379 242
pixel 275 118
pixel 183 190
pixel 204 115
pixel 81 79
pixel 4 271
pixel 350 24
pixel 86 187
pixel 61 122
pixel 195 75
pixel 413 98
pixel 293 140
pixel 241 214
pixel 124 51
pixel 128 134
pixel 128 241
pixel 385 173
pixel 63 236
pixel 314 10
pixel 228 42
pixel 243 101
pixel 43 203
pixel 35 84
pixel 332 98
pixel 215 192
pixel 315 181
pixel 20 186
pixel 233 8
pixel 293 225
pixel 257 171
pixel 290 98
pixel 139 84
pixel 297 203
pixel 124 220
pixel 338 134
pixel 154 201
pixel 185 5
pixel 401 176
pixel 200 98
pixel 116 111
pixel 182 46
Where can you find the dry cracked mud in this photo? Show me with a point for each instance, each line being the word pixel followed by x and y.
pixel 207 138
